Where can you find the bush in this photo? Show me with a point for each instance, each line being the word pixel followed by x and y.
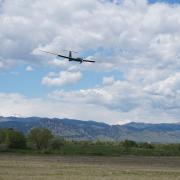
pixel 56 143
pixel 146 145
pixel 3 135
pixel 15 139
pixel 129 144
pixel 10 138
pixel 40 138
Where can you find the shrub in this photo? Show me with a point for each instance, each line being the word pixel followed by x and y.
pixel 40 138
pixel 2 135
pixel 129 144
pixel 15 139
pixel 146 145
pixel 56 143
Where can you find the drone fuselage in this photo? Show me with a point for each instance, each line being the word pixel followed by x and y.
pixel 72 59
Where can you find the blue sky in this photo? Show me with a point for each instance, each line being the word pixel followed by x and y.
pixel 167 1
pixel 135 45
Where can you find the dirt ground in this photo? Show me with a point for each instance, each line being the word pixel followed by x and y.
pixel 25 167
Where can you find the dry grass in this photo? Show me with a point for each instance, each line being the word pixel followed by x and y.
pixel 20 167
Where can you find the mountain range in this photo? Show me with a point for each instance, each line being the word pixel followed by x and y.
pixel 92 130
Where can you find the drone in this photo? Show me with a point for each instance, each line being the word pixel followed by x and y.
pixel 70 58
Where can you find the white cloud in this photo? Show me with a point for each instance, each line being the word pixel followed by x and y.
pixel 29 68
pixel 1 65
pixel 118 95
pixel 108 80
pixel 13 104
pixel 118 102
pixel 59 63
pixel 5 63
pixel 139 35
pixel 62 78
pixel 141 41
pixel 137 32
pixel 159 102
pixel 168 87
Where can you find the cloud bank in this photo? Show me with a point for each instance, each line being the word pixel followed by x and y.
pixel 139 40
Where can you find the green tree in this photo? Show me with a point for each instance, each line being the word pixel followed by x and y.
pixel 129 144
pixel 15 139
pixel 2 136
pixel 40 138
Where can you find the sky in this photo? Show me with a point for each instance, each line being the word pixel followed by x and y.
pixel 135 44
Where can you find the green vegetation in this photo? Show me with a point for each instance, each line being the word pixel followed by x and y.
pixel 40 138
pixel 42 141
pixel 12 139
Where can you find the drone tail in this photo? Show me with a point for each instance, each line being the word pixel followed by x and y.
pixel 70 55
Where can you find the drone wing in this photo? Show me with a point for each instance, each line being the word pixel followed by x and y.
pixel 85 60
pixel 49 52
pixel 59 55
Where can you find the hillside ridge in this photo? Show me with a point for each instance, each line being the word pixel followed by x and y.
pixel 92 130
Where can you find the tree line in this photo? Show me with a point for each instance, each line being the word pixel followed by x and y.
pixel 40 140
pixel 37 138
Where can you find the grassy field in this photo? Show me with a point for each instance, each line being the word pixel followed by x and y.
pixel 22 167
